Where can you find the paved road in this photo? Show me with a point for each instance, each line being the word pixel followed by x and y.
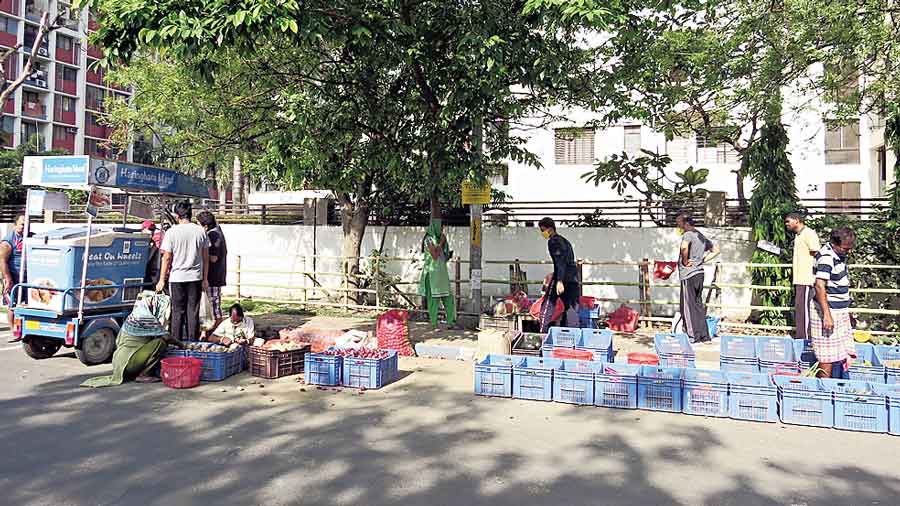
pixel 425 440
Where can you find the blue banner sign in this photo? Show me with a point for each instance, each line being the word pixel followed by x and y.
pixel 55 170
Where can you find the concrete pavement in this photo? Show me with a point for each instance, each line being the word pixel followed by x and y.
pixel 425 440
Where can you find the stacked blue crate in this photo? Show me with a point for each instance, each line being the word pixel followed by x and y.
pixel 705 393
pixel 533 378
pixel 804 401
pixel 776 355
pixel 674 350
pixel 493 375
pixel 574 382
pixel 600 342
pixel 559 337
pixel 868 365
pixel 616 386
pixel 738 354
pixel 660 388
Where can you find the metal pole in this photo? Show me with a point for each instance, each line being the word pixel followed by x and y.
pixel 84 266
pixel 238 287
pixel 125 212
pixel 22 263
pixel 475 243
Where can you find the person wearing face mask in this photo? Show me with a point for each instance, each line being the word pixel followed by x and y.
pixel 563 282
pixel 695 251
pixel 831 327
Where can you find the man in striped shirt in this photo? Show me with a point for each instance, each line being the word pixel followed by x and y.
pixel 832 330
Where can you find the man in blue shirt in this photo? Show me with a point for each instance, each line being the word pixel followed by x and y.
pixel 11 248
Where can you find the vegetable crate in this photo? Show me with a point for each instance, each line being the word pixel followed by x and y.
pixel 776 355
pixel 890 354
pixel 600 342
pixel 564 337
pixel 533 378
pixel 527 343
pixel 892 394
pixel 804 401
pixel 272 364
pixel 493 375
pixel 589 317
pixel 660 389
pixel 216 365
pixel 738 347
pixel 857 407
pixel 674 350
pixel 505 323
pixel 739 365
pixel 321 369
pixel 872 373
pixel 752 397
pixel 616 386
pixel 574 382
pixel 370 373
pixel 705 393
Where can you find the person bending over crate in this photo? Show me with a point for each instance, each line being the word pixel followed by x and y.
pixel 829 316
pixel 141 343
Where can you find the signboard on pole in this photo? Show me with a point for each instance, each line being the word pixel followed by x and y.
pixel 39 201
pixel 100 199
pixel 473 193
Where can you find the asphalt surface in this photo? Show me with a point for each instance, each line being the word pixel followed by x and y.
pixel 425 440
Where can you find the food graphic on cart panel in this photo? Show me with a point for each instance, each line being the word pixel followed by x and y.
pixel 42 296
pixel 97 295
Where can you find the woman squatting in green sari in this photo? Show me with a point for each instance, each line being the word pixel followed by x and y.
pixel 435 282
pixel 141 343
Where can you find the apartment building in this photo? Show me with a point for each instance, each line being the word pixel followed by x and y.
pixel 63 101
pixel 830 161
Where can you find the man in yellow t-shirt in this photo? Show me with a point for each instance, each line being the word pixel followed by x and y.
pixel 806 245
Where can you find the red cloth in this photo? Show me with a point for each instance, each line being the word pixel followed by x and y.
pixel 664 270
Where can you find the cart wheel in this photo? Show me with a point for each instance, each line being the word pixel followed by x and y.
pixel 40 348
pixel 97 347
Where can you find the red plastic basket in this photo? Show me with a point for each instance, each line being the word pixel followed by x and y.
pixel 181 372
pixel 587 302
pixel 569 353
pixel 643 358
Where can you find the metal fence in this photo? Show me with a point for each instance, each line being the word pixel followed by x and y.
pixel 579 213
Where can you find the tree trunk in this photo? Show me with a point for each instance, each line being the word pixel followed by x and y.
pixel 354 218
pixel 237 189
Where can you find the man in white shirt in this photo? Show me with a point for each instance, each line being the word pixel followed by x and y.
pixel 185 265
pixel 806 245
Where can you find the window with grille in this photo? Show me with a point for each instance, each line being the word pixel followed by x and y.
pixel 9 25
pixel 712 150
pixel 842 143
pixel 574 146
pixel 633 139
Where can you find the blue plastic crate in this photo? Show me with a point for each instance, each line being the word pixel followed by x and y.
pixel 705 393
pixel 772 368
pixel 892 374
pixel 892 395
pixel 574 383
pixel 740 347
pixel 369 373
pixel 493 375
pixel 600 342
pixel 551 342
pixel 673 344
pixel 216 366
pixel 752 397
pixel 775 349
pixel 804 401
pixel 564 337
pixel 873 373
pixel 712 324
pixel 739 365
pixel 616 386
pixel 321 369
pixel 857 407
pixel 660 389
pixel 533 378
pixel 683 361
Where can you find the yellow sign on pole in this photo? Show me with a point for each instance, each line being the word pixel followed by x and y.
pixel 473 193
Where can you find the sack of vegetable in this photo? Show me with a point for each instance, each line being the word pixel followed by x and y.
pixel 393 332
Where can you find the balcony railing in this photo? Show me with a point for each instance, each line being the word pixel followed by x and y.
pixel 10 106
pixel 67 144
pixel 10 7
pixel 94 52
pixel 70 87
pixel 8 39
pixel 94 77
pixel 67 56
pixel 34 110
pixel 98 131
pixel 67 117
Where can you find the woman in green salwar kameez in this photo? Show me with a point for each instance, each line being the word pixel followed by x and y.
pixel 141 342
pixel 434 284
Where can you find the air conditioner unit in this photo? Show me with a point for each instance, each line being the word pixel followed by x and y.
pixel 72 130
pixel 40 82
pixel 43 51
